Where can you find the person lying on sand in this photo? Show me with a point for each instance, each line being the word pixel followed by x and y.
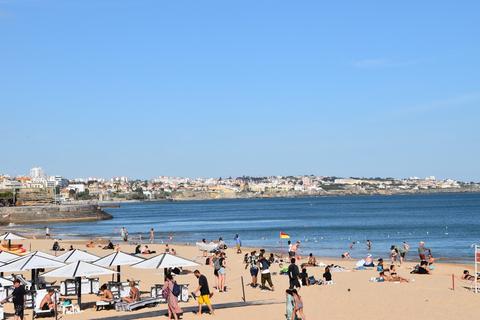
pixel 422 268
pixel 90 244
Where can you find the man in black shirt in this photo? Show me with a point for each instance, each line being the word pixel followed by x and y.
pixel 18 295
pixel 293 273
pixel 204 290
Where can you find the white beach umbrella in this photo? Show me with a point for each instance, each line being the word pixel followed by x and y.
pixel 6 256
pixel 31 262
pixel 5 282
pixel 118 259
pixel 37 253
pixel 165 261
pixel 76 255
pixel 11 236
pixel 78 270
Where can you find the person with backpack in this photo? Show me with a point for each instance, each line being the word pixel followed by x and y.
pixel 171 292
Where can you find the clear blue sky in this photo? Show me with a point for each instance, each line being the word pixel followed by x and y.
pixel 219 88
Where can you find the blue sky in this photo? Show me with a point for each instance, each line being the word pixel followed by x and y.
pixel 220 88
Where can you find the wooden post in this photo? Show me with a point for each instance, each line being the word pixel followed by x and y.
pixel 243 290
pixel 453 282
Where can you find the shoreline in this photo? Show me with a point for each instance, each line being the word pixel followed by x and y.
pixel 82 239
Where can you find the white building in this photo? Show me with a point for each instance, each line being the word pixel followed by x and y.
pixel 37 173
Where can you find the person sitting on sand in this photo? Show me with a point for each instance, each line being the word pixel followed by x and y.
pixel 422 268
pixel 146 250
pixel 312 261
pixel 47 302
pixel 56 247
pixel 380 265
pixel 117 248
pixel 304 277
pixel 90 244
pixel 71 248
pixel 134 294
pixel 346 255
pixel 327 276
pixel 106 294
pixel 369 261
pixel 109 246
pixel 173 252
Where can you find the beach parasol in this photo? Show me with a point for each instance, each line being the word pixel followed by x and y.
pixel 6 256
pixel 76 255
pixel 118 259
pixel 11 236
pixel 78 270
pixel 165 261
pixel 33 262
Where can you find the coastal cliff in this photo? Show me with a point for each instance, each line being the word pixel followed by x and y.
pixel 52 214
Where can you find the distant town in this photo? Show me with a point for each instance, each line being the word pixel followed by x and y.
pixel 38 188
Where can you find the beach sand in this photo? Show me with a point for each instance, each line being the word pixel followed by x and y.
pixel 352 296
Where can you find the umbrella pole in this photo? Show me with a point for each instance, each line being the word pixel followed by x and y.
pixel 56 305
pixel 33 279
pixel 79 292
pixel 118 274
pixel 9 244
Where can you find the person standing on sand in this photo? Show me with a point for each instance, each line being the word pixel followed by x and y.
pixel 406 248
pixel 238 243
pixel 205 294
pixel 252 261
pixel 172 300
pixel 124 234
pixel 152 235
pixel 265 273
pixel 298 308
pixel 18 295
pixel 293 273
pixel 47 232
pixel 421 251
pixel 222 273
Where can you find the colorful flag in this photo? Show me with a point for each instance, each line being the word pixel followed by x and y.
pixel 284 235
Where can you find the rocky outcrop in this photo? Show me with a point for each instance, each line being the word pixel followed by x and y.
pixel 52 214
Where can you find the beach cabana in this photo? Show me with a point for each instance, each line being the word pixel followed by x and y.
pixel 9 236
pixel 78 270
pixel 31 262
pixel 118 259
pixel 165 261
pixel 76 255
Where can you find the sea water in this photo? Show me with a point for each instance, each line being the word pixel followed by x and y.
pixel 326 226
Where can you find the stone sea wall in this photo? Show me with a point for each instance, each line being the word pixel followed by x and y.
pixel 51 214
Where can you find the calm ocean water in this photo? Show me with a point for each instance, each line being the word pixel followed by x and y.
pixel 448 223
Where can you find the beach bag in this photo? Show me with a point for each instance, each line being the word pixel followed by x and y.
pixel 176 289
pixel 311 280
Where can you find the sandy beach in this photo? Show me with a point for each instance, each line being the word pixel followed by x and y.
pixel 351 296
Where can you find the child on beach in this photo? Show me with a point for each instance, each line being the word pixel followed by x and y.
pixel 298 308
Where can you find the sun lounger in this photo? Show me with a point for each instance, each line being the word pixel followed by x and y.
pixel 103 305
pixel 144 302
